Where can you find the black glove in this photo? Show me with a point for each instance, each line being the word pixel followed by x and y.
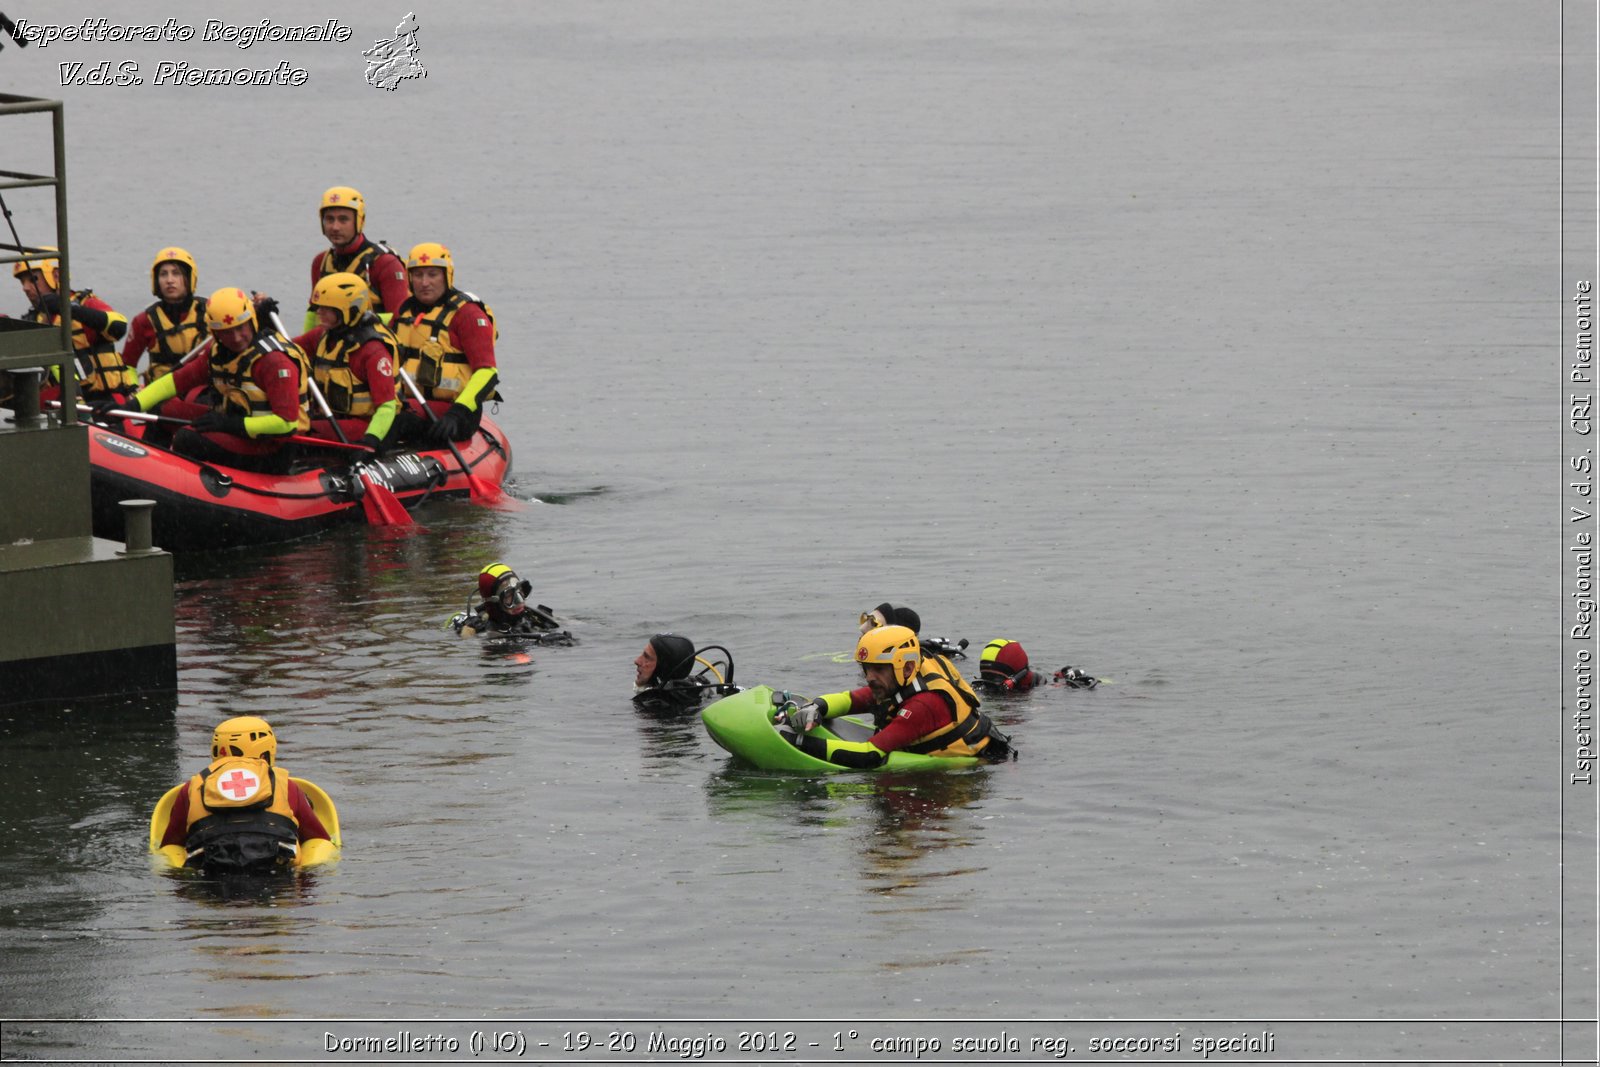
pixel 104 408
pixel 50 303
pixel 449 425
pixel 266 306
pixel 219 422
pixel 370 442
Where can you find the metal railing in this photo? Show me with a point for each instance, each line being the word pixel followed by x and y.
pixel 24 345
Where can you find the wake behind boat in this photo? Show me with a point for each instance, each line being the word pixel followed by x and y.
pixel 208 506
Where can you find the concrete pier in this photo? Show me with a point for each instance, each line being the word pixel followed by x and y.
pixel 79 615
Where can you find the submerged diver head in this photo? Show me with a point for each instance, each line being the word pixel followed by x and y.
pixel 667 657
pixel 245 735
pixel 1004 665
pixel 499 585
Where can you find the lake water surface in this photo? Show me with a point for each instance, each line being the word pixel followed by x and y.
pixel 1210 347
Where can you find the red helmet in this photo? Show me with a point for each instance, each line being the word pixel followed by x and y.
pixel 499 582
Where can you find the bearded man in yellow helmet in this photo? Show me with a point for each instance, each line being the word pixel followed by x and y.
pixel 257 380
pixel 933 713
pixel 175 324
pixel 344 218
pixel 243 811
pixel 96 327
pixel 446 341
pixel 354 361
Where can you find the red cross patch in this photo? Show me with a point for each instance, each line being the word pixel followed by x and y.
pixel 240 784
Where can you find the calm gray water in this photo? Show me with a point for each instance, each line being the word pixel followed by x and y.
pixel 1205 346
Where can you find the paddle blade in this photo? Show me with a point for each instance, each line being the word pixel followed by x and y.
pixel 382 507
pixel 481 492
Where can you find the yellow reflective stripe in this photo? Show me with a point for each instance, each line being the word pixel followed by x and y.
pixel 834 704
pixel 862 754
pixel 269 425
pixel 162 389
pixel 382 419
pixel 468 397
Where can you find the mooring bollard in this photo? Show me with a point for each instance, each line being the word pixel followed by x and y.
pixel 136 536
pixel 25 397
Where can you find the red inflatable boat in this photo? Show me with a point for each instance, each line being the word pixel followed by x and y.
pixel 206 506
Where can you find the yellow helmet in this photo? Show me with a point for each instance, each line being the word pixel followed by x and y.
pixel 228 309
pixel 433 254
pixel 50 268
pixel 896 645
pixel 245 736
pixel 345 197
pixel 183 259
pixel 345 293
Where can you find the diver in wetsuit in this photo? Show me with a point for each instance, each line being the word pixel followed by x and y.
pixel 505 612
pixel 1003 668
pixel 663 678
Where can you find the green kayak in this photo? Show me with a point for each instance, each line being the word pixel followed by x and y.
pixel 742 724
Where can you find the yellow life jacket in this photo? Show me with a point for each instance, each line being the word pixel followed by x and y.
pixel 439 368
pixel 968 731
pixel 174 339
pixel 98 366
pixel 238 392
pixel 330 365
pixel 360 263
pixel 241 795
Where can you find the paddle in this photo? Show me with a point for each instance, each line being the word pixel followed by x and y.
pixel 479 491
pixel 328 442
pixel 381 506
pixel 150 416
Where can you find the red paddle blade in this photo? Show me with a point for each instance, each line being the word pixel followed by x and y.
pixel 383 508
pixel 481 492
